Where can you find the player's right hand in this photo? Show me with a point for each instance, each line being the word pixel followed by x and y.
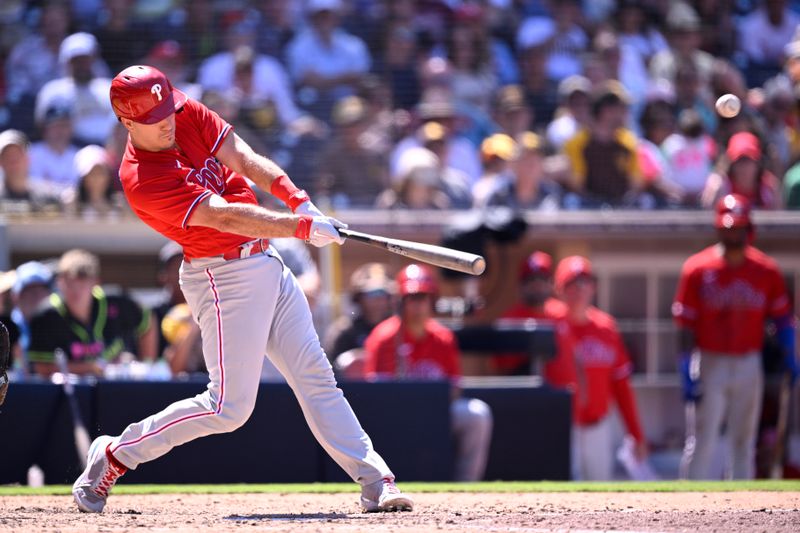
pixel 323 231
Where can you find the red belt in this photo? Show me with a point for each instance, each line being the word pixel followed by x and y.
pixel 258 246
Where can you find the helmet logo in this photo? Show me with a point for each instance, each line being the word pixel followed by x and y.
pixel 156 89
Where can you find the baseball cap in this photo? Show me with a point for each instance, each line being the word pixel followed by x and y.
pixel 571 268
pixel 733 211
pixel 348 111
pixel 418 164
pixel 166 51
pixel 682 17
pixel 536 264
pixel 610 92
pixel 78 263
pixel 144 94
pixel 12 138
pixel 77 44
pixel 371 277
pixel 169 251
pixel 573 84
pixel 431 131
pixel 743 144
pixel 535 31
pixel 499 145
pixel 56 110
pixel 31 273
pixel 89 157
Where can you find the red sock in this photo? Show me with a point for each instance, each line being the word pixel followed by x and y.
pixel 114 461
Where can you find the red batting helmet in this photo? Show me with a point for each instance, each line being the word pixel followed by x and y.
pixel 571 268
pixel 144 94
pixel 733 211
pixel 416 279
pixel 536 264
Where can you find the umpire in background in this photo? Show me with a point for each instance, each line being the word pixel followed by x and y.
pixel 725 293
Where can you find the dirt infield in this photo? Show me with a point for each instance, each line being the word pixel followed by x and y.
pixel 482 512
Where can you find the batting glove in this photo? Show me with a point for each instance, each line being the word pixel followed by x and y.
pixel 323 231
pixel 308 208
pixel 690 378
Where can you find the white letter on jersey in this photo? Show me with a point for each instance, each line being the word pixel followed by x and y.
pixel 156 89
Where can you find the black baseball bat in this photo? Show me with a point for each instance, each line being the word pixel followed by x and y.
pixel 80 433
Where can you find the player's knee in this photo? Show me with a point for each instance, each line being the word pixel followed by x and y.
pixel 481 414
pixel 233 416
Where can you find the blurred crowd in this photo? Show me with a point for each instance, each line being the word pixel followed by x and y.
pixel 435 104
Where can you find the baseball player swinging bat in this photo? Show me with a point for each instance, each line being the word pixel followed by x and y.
pixel 80 433
pixel 429 253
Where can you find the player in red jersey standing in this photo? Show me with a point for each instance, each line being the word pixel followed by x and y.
pixel 413 345
pixel 183 174
pixel 593 363
pixel 536 301
pixel 725 293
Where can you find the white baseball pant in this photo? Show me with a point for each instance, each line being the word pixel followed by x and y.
pixel 247 307
pixel 592 451
pixel 732 390
pixel 471 421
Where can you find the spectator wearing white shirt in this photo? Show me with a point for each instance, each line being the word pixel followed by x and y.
pixel 636 29
pixel 685 37
pixel 326 62
pixel 764 33
pixel 87 95
pixel 256 81
pixel 52 158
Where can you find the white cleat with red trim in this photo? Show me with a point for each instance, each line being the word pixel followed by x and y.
pixel 384 496
pixel 91 489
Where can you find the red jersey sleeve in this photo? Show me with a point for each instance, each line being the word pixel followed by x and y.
pixel 626 401
pixel 621 388
pixel 379 356
pixel 213 129
pixel 686 304
pixel 169 198
pixel 778 305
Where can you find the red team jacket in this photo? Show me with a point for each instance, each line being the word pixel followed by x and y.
pixel 592 362
pixel 391 352
pixel 164 187
pixel 726 306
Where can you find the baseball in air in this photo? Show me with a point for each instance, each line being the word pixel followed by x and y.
pixel 728 105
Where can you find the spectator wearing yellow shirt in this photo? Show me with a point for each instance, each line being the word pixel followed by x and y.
pixel 602 156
